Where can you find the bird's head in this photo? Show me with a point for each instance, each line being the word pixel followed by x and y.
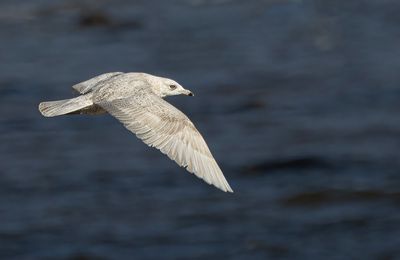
pixel 168 87
pixel 173 88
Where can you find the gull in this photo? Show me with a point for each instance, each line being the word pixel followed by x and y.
pixel 136 100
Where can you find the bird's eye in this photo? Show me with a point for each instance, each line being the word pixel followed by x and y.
pixel 172 87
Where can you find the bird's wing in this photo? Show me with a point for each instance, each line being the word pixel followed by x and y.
pixel 85 86
pixel 157 123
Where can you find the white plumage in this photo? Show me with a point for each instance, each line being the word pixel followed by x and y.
pixel 135 99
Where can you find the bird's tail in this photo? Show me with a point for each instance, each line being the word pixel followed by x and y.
pixel 66 106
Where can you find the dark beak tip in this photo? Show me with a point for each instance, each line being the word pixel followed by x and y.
pixel 191 94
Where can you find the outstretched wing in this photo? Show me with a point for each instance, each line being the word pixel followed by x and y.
pixel 157 123
pixel 85 86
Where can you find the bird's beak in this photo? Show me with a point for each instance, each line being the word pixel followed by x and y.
pixel 188 93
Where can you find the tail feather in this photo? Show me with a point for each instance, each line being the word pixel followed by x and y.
pixel 62 107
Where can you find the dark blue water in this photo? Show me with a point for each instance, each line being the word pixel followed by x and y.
pixel 298 100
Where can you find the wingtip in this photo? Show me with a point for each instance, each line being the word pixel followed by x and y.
pixel 228 190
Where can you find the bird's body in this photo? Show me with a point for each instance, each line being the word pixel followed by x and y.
pixel 136 100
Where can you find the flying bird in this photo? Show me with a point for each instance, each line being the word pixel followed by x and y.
pixel 136 100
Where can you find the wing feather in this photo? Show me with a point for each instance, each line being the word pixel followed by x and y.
pixel 85 86
pixel 157 123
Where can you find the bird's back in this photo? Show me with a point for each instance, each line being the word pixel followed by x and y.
pixel 121 86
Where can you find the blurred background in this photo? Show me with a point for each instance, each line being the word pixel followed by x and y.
pixel 297 99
